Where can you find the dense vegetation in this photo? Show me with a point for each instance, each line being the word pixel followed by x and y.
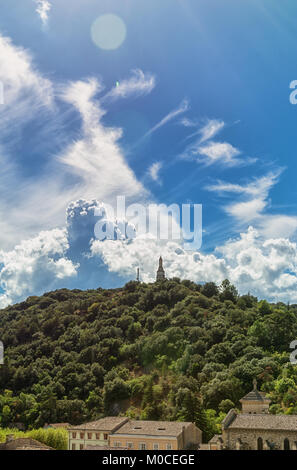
pixel 173 350
pixel 55 438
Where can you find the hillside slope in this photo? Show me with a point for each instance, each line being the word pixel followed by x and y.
pixel 173 351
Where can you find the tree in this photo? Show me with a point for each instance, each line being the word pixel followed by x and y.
pixel 210 289
pixel 228 291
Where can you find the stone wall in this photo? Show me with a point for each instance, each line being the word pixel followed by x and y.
pixel 249 438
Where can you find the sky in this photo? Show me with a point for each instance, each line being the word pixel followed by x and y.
pixel 172 102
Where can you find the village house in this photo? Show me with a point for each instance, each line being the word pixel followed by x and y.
pixel 156 435
pixel 95 433
pixel 123 433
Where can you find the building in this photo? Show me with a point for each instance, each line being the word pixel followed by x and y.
pixel 24 443
pixel 254 428
pixel 95 433
pixel 255 402
pixel 122 433
pixel 56 426
pixel 160 272
pixel 156 435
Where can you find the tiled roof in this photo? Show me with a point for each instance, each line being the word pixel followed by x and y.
pixel 152 428
pixel 26 443
pixel 264 421
pixel 58 425
pixel 255 395
pixel 105 424
pixel 105 448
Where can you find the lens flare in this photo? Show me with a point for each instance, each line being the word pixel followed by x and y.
pixel 108 32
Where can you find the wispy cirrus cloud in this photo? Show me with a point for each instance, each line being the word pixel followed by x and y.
pixel 207 151
pixel 182 108
pixel 209 130
pixel 154 171
pixel 253 205
pixel 90 164
pixel 43 8
pixel 139 83
pixel 213 152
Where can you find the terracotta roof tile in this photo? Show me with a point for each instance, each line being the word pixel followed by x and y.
pixel 110 423
pixel 152 428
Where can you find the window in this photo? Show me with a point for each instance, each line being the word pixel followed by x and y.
pixel 74 435
pixel 142 446
pixel 260 443
pixel 98 436
pixel 73 447
pixel 117 444
pixel 156 446
pixel 81 447
pixel 129 445
pixel 89 435
pixel 82 435
pixel 105 437
pixel 286 444
pixel 168 446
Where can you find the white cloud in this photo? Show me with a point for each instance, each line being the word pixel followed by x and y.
pixel 90 166
pixel 182 108
pixel 154 171
pixel 250 262
pixel 210 129
pixel 97 158
pixel 43 8
pixel 34 264
pixel 254 203
pixel 219 152
pixel 140 83
pixel 26 91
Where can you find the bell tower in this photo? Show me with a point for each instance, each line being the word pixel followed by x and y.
pixel 160 272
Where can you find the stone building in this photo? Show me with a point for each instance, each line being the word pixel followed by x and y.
pixel 123 433
pixel 95 433
pixel 160 273
pixel 156 435
pixel 254 428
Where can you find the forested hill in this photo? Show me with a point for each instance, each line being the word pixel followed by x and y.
pixel 173 350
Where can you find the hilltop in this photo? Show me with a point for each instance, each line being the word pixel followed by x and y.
pixel 172 350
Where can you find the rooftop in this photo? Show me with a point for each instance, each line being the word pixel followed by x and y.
pixel 25 443
pixel 264 421
pixel 255 395
pixel 110 423
pixel 152 428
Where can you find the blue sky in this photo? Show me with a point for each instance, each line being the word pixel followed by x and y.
pixel 201 114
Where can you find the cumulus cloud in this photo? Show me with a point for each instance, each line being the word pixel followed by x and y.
pixel 266 268
pixel 34 264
